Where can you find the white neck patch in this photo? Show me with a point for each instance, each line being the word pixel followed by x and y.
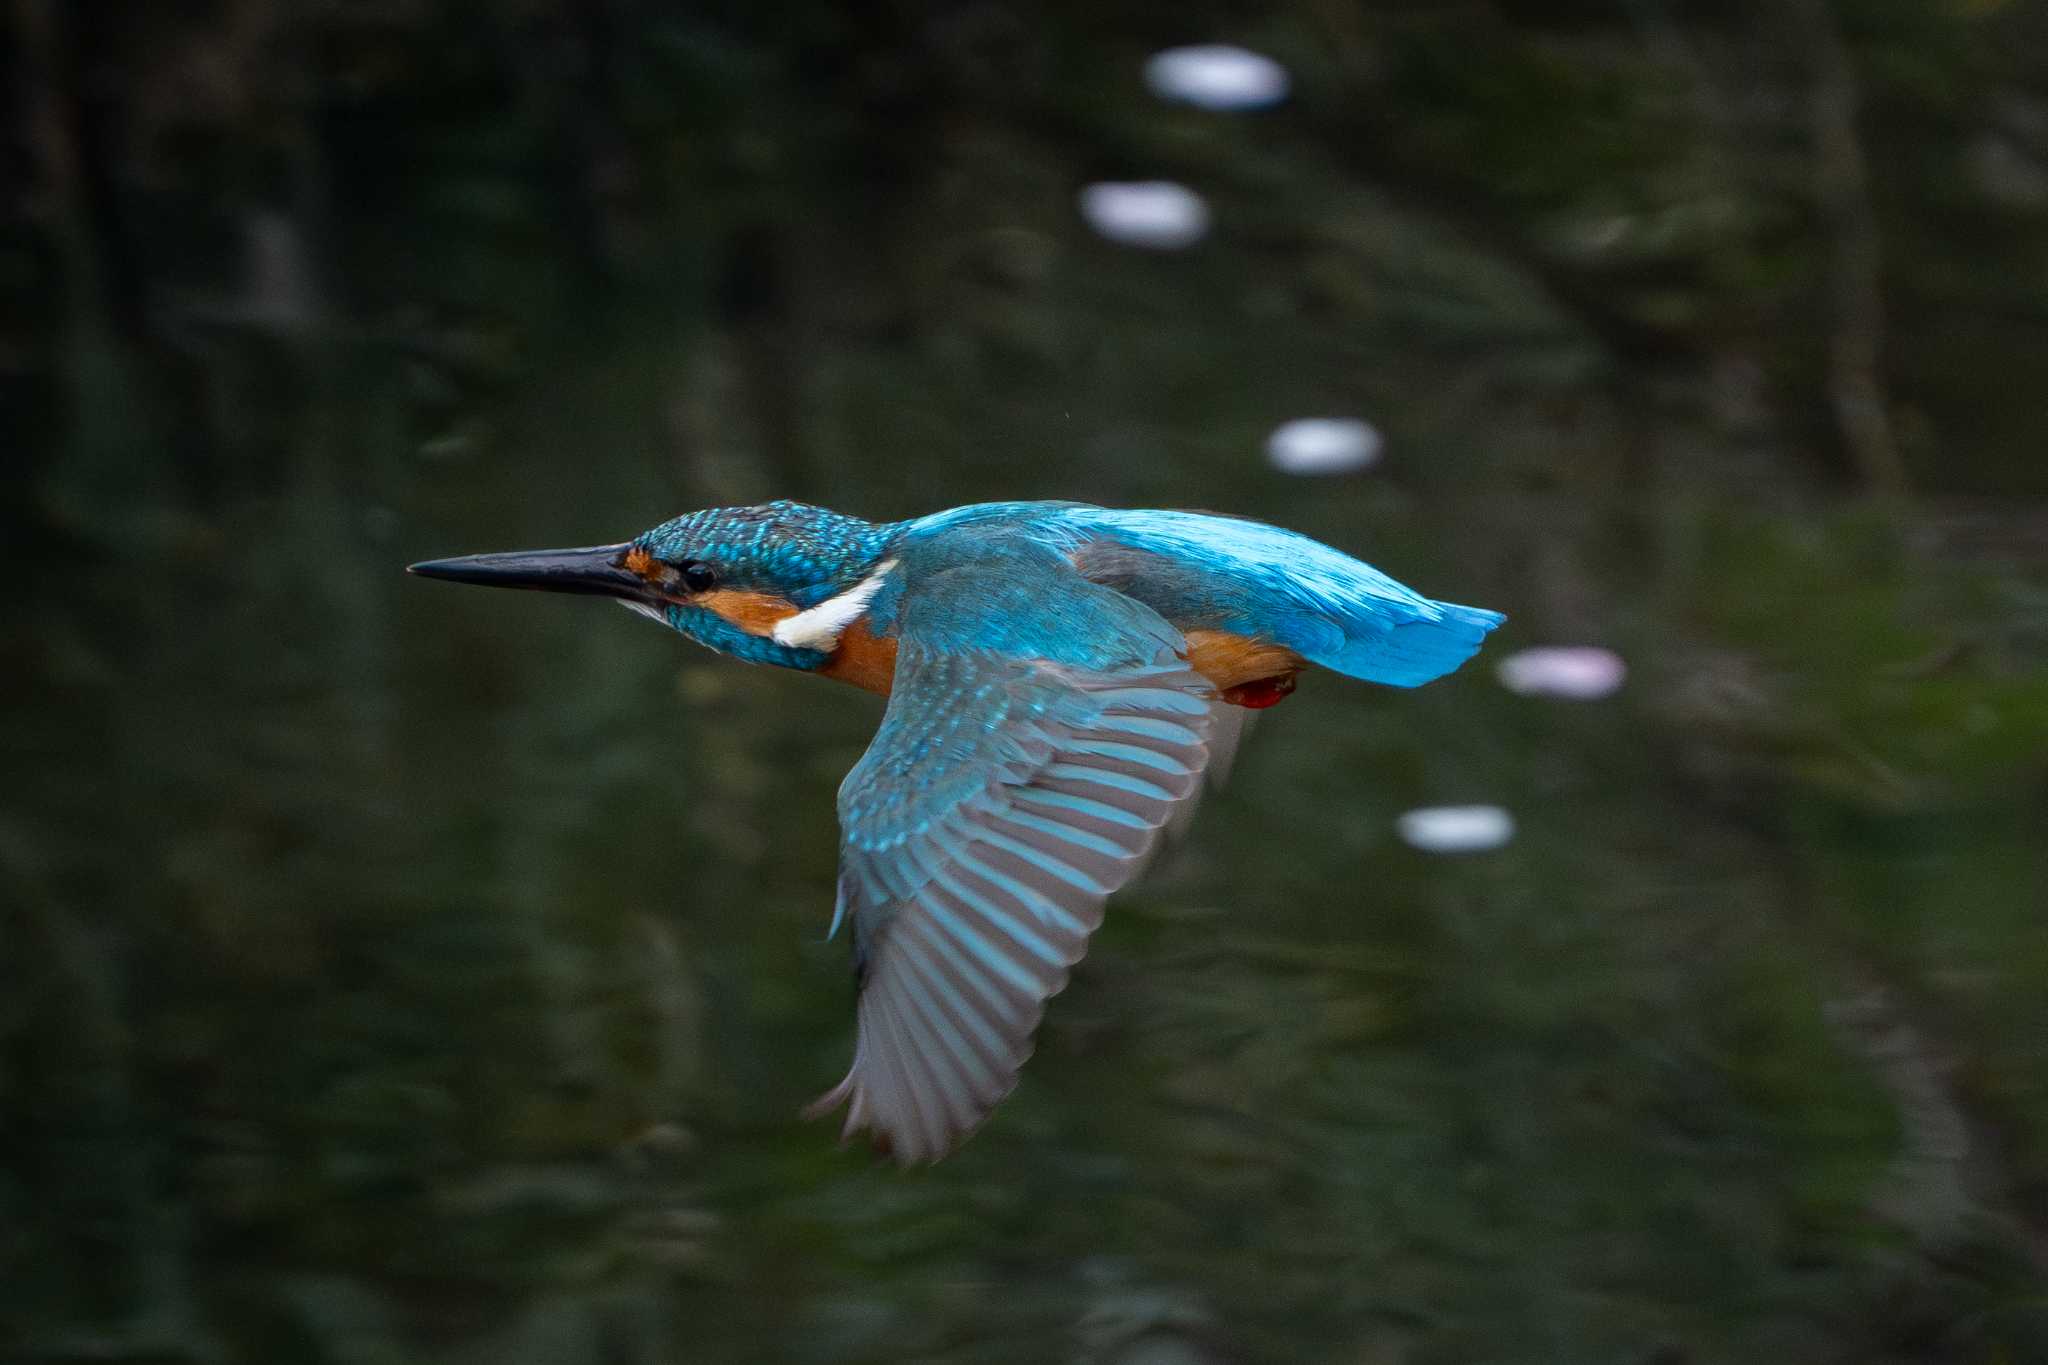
pixel 819 628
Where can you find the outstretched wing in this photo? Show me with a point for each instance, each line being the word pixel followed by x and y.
pixel 1008 792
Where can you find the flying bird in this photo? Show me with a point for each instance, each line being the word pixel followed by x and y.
pixel 1059 678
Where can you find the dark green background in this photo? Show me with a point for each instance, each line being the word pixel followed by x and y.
pixel 395 973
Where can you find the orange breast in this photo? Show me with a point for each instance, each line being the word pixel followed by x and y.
pixel 863 659
pixel 1245 670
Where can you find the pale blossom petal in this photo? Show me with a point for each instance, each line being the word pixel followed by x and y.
pixel 1324 445
pixel 1456 829
pixel 1217 76
pixel 1578 672
pixel 1159 214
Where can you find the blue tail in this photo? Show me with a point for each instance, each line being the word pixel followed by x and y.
pixel 1412 652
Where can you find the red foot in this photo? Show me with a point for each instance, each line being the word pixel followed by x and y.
pixel 1260 694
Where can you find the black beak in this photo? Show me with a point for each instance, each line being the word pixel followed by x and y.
pixel 598 571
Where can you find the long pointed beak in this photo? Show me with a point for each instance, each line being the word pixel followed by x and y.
pixel 598 570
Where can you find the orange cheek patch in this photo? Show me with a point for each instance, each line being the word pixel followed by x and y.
pixel 640 562
pixel 1245 671
pixel 754 612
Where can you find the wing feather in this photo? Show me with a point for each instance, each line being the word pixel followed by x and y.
pixel 1005 797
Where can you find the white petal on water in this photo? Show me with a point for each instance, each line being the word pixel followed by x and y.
pixel 1159 214
pixel 1217 76
pixel 1456 829
pixel 1579 672
pixel 1323 445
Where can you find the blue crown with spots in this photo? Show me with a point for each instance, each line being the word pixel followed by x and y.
pixel 802 552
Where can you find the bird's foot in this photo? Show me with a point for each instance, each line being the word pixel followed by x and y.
pixel 1260 693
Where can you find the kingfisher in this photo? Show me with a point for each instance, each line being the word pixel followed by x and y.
pixel 1060 679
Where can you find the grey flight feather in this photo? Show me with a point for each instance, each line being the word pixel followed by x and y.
pixel 1005 797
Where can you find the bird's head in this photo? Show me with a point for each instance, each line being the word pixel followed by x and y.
pixel 773 584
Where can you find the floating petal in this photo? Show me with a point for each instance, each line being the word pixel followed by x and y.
pixel 1456 829
pixel 1159 214
pixel 1217 76
pixel 1324 445
pixel 1579 672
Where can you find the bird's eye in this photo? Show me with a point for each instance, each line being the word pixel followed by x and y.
pixel 699 577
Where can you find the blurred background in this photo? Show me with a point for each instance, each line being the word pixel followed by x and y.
pixel 390 973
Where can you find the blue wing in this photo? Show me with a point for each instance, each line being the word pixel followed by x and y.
pixel 1266 581
pixel 1251 578
pixel 1008 792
